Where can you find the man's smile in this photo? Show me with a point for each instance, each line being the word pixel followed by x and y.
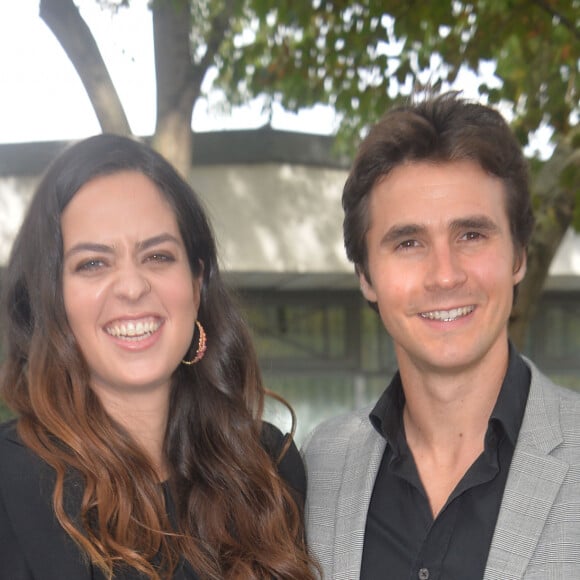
pixel 448 315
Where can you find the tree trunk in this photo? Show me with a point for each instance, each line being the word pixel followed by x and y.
pixel 179 75
pixel 555 190
pixel 175 95
pixel 73 34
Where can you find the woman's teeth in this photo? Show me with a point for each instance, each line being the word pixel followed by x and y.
pixel 133 330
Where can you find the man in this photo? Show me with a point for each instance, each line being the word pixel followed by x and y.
pixel 468 466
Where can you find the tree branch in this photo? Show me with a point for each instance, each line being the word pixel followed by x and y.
pixel 73 34
pixel 179 79
pixel 571 26
pixel 218 27
pixel 554 214
pixel 173 63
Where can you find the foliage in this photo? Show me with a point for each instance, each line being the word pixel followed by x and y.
pixel 359 56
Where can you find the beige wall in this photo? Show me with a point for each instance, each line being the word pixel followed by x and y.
pixel 15 193
pixel 277 225
pixel 275 217
pixel 275 220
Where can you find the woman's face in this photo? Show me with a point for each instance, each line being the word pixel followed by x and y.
pixel 130 297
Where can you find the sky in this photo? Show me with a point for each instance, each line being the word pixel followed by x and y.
pixel 42 98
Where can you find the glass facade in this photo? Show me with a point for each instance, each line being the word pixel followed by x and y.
pixel 327 352
pixel 553 342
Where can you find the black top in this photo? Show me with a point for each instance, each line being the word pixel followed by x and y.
pixel 32 543
pixel 401 536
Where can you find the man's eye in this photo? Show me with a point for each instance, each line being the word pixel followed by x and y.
pixel 472 236
pixel 407 244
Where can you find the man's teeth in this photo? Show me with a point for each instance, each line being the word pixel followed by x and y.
pixel 448 315
pixel 133 330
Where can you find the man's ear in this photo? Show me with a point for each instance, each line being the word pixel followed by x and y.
pixel 366 286
pixel 520 266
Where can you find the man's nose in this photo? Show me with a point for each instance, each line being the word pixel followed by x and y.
pixel 445 268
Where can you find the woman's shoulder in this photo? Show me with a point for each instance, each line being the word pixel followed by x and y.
pixel 32 543
pixel 23 475
pixel 272 439
pixel 289 462
pixel 19 462
pixel 9 434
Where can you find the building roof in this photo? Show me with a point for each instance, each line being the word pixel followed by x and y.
pixel 243 147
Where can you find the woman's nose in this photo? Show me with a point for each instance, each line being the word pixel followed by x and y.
pixel 131 284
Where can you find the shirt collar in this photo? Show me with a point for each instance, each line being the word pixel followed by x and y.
pixel 513 396
pixel 508 412
pixel 387 415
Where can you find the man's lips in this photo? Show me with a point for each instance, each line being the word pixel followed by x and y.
pixel 448 315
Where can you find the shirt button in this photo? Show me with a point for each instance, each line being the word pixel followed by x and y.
pixel 423 574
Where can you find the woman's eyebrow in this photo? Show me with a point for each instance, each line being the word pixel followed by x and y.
pixel 106 249
pixel 89 247
pixel 156 240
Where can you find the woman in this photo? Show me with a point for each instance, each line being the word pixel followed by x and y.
pixel 139 450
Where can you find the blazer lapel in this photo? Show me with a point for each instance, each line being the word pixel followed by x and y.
pixel 26 485
pixel 361 466
pixel 534 480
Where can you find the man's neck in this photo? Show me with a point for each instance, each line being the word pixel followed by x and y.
pixel 445 417
pixel 441 402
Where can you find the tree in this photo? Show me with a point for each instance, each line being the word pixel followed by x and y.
pixel 359 56
pixel 187 38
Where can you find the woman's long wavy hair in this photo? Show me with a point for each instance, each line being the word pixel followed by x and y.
pixel 236 519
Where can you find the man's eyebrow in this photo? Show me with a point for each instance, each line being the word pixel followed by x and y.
pixel 399 231
pixel 476 222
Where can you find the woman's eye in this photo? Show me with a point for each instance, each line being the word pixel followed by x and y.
pixel 159 258
pixel 90 265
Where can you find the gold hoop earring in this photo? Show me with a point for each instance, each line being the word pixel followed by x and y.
pixel 201 346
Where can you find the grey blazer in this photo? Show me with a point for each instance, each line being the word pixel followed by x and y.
pixel 537 535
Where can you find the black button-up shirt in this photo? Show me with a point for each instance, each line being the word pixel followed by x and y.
pixel 402 540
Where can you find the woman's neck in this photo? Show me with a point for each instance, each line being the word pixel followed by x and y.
pixel 144 416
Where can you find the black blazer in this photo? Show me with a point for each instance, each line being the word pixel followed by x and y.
pixel 33 545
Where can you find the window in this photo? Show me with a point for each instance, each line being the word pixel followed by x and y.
pixel 326 353
pixel 553 341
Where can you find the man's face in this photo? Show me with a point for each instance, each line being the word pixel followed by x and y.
pixel 442 265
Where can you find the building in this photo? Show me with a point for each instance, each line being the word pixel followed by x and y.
pixel 274 201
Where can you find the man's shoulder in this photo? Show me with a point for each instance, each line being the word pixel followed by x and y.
pixel 569 406
pixel 541 384
pixel 552 410
pixel 569 398
pixel 334 433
